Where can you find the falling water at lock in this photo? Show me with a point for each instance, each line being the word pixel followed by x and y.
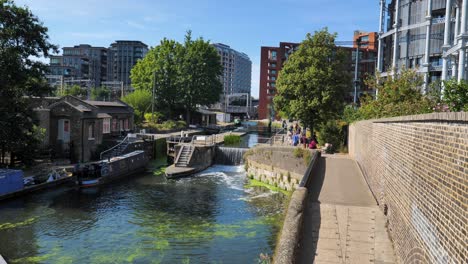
pixel 229 156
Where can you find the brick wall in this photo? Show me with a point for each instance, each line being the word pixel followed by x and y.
pixel 417 168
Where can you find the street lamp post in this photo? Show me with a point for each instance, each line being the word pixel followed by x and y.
pixel 356 67
pixel 152 97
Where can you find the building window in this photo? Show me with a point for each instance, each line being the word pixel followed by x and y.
pixel 272 71
pixel 106 126
pixel 272 55
pixel 91 131
pixel 272 65
pixel 126 124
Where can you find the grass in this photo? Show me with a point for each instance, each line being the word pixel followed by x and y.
pixel 231 140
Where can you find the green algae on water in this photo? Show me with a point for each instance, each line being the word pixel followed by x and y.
pixel 19 224
pixel 256 183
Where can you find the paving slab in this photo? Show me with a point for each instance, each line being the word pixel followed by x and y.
pixel 342 223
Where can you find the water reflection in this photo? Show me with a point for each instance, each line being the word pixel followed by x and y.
pixel 210 217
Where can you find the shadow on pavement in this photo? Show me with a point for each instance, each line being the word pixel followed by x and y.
pixel 312 217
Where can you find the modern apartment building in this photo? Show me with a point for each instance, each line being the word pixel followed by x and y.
pixel 237 75
pixel 81 62
pixel 122 56
pixel 428 35
pixel 271 62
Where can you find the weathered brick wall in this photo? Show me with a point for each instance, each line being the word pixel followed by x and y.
pixel 417 168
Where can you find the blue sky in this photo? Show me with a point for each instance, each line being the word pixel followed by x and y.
pixel 244 25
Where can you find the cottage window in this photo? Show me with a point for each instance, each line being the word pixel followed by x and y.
pixel 91 131
pixel 126 124
pixel 106 126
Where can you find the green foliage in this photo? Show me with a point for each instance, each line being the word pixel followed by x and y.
pixel 74 90
pixel 22 37
pixel 455 95
pixel 298 152
pixel 153 117
pixel 231 139
pixel 350 114
pixel 101 94
pixel 397 96
pixel 313 82
pixel 331 132
pixel 200 71
pixel 183 75
pixel 140 100
pixel 166 126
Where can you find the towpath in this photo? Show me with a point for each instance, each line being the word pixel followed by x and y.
pixel 342 223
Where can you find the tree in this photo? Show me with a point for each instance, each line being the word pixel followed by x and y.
pixel 200 73
pixel 101 94
pixel 399 95
pixel 22 37
pixel 161 67
pixel 184 76
pixel 140 100
pixel 455 95
pixel 74 90
pixel 312 84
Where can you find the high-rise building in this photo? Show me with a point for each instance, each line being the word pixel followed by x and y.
pixel 428 35
pixel 237 73
pixel 83 62
pixel 271 62
pixel 122 56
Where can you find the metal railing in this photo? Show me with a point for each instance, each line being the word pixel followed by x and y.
pixel 205 140
pixel 124 141
pixel 279 138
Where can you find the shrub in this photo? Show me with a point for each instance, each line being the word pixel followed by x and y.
pixel 331 133
pixel 231 139
pixel 157 117
pixel 298 153
pixel 168 125
pixel 307 157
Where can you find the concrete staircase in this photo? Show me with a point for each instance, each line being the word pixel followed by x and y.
pixel 184 156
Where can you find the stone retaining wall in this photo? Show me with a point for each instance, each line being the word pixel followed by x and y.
pixel 271 175
pixel 417 168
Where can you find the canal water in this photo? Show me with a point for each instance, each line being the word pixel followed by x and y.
pixel 210 218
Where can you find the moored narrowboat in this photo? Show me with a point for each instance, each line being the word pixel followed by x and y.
pixel 97 173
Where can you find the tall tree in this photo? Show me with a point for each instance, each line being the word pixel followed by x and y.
pixel 161 67
pixel 200 71
pixel 313 82
pixel 22 36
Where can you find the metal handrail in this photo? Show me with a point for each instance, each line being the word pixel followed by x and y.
pixel 105 151
pixel 272 139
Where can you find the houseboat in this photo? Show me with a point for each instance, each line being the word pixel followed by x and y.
pixel 97 173
pixel 14 184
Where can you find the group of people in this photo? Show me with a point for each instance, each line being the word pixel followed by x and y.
pixel 298 136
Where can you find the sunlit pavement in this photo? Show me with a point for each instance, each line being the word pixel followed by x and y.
pixel 342 223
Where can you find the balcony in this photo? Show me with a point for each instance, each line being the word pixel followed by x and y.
pixel 438 20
